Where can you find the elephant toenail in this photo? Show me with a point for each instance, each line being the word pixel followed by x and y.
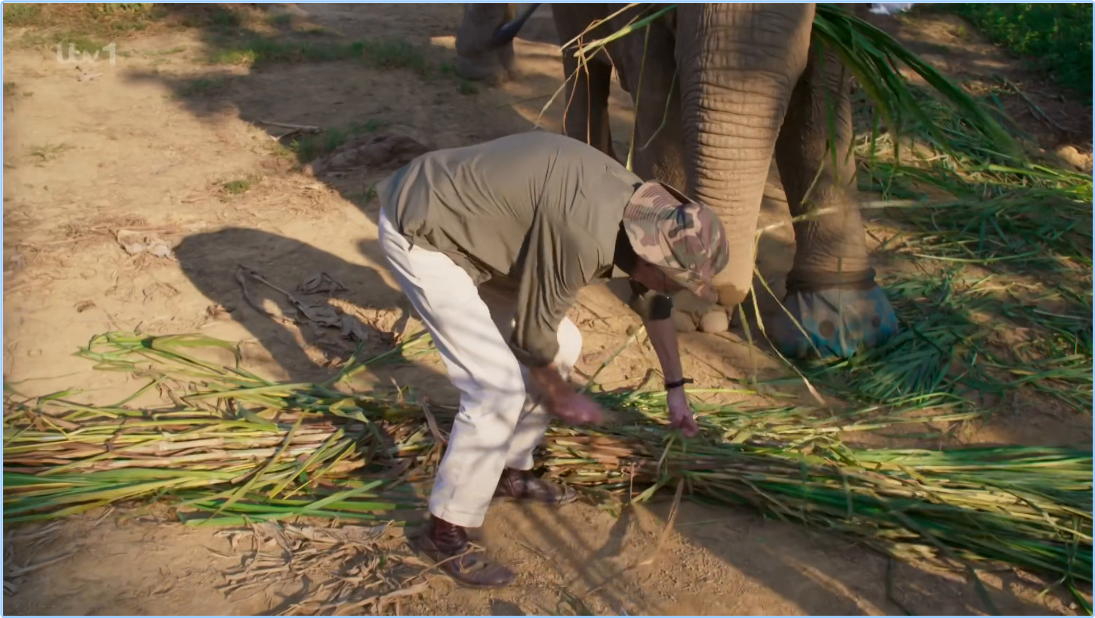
pixel 876 321
pixel 826 329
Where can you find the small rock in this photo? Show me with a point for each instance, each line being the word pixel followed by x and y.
pixel 134 248
pixel 715 322
pixel 1075 158
pixel 160 249
pixel 218 312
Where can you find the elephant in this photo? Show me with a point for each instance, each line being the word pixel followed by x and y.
pixel 713 110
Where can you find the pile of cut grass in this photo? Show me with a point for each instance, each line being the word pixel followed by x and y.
pixel 992 266
pixel 996 295
pixel 233 447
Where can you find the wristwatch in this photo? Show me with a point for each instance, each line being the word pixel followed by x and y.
pixel 678 383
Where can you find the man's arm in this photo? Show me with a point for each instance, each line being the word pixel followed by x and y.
pixel 655 311
pixel 663 336
pixel 559 262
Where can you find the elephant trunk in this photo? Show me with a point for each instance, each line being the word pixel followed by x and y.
pixel 477 33
pixel 487 28
pixel 738 66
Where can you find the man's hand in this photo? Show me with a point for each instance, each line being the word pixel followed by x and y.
pixel 576 409
pixel 561 401
pixel 680 412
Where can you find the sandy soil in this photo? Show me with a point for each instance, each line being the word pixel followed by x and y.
pixel 150 149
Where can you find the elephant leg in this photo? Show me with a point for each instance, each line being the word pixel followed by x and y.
pixel 477 59
pixel 739 64
pixel 585 112
pixel 831 291
pixel 585 115
pixel 648 71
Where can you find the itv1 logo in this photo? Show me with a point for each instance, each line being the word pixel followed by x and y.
pixel 77 56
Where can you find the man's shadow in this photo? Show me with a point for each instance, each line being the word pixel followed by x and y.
pixel 265 301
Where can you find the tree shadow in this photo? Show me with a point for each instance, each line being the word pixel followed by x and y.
pixel 300 77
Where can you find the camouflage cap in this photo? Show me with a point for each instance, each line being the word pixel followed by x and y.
pixel 683 238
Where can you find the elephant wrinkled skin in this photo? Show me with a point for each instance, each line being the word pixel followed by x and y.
pixel 712 110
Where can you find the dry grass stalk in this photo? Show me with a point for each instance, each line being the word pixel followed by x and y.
pixel 344 571
pixel 258 451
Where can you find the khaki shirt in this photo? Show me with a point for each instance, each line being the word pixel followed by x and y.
pixel 537 211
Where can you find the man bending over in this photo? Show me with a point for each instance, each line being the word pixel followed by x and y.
pixel 539 216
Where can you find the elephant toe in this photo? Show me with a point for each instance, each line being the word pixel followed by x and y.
pixel 683 321
pixel 715 322
pixel 834 322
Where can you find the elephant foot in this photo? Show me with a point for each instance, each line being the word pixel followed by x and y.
pixel 485 70
pixel 492 69
pixel 837 317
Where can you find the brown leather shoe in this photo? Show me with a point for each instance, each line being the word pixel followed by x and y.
pixel 523 485
pixel 448 545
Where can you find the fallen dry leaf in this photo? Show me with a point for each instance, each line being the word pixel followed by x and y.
pixel 320 282
pixel 368 152
pixel 324 315
pixel 316 317
pixel 136 242
pixel 352 328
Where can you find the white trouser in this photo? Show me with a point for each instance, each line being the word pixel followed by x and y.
pixel 499 424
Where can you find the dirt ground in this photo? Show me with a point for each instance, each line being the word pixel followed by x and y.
pixel 166 149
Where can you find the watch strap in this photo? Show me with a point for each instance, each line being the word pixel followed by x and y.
pixel 678 383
